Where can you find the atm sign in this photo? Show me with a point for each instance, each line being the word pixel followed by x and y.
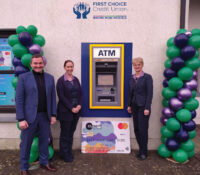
pixel 107 52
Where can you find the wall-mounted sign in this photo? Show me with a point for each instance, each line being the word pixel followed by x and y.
pixel 6 55
pixel 105 137
pixel 7 92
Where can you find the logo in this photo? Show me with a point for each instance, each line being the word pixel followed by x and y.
pixel 81 10
pixel 122 125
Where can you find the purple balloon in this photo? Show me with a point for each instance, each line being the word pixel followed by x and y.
pixel 45 60
pixel 188 52
pixel 169 73
pixel 189 126
pixel 20 70
pixel 177 63
pixel 16 62
pixel 175 103
pixel 165 83
pixel 194 74
pixel 184 94
pixel 25 38
pixel 35 49
pixel 163 120
pixel 193 114
pixel 167 112
pixel 182 135
pixel 172 144
pixel 181 40
pixel 191 84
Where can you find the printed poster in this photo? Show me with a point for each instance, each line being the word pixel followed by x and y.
pixel 105 137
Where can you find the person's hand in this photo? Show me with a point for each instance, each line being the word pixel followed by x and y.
pixel 75 110
pixel 53 120
pixel 78 107
pixel 146 112
pixel 129 109
pixel 23 124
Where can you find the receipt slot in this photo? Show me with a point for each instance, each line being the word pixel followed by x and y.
pixel 106 76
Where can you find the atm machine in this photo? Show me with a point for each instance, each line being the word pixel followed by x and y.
pixel 106 76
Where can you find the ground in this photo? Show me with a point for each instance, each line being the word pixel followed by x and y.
pixel 107 164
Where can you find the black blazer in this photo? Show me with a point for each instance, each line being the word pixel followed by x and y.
pixel 141 92
pixel 64 108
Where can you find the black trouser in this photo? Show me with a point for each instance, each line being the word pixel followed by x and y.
pixel 141 125
pixel 66 137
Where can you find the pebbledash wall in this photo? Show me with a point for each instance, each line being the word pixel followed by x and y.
pixel 147 24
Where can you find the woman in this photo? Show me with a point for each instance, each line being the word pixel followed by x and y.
pixel 69 108
pixel 139 104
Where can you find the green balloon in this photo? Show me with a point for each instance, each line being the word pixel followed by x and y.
pixel 173 51
pixel 39 39
pixel 42 52
pixel 168 63
pixel 194 93
pixel 166 132
pixel 26 59
pixel 32 30
pixel 183 115
pixel 191 104
pixel 18 126
pixel 14 82
pixel 170 42
pixel 12 40
pixel 35 143
pixel 195 41
pixel 172 124
pixel 190 154
pixel 193 63
pixel 163 151
pixel 197 54
pixel 192 134
pixel 33 156
pixel 195 32
pixel 19 50
pixel 180 156
pixel 185 73
pixel 181 31
pixel 163 139
pixel 165 103
pixel 20 29
pixel 168 93
pixel 51 152
pixel 187 146
pixel 175 83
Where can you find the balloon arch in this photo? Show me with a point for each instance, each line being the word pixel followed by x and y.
pixel 179 92
pixel 24 44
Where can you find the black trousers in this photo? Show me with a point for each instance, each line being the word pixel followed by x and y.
pixel 66 137
pixel 141 125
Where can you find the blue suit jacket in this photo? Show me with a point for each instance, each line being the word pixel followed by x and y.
pixel 141 93
pixel 27 97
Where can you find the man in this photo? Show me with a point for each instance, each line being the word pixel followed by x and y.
pixel 35 111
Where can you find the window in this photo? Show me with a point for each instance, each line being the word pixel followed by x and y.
pixel 7 91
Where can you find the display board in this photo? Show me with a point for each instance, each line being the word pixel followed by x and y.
pixel 105 137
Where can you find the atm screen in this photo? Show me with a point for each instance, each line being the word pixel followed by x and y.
pixel 105 80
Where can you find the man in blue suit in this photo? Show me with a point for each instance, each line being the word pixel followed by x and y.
pixel 35 111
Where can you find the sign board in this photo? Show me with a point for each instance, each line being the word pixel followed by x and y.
pixel 105 137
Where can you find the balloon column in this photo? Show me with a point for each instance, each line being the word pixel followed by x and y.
pixel 179 103
pixel 24 44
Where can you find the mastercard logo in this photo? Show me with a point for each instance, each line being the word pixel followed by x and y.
pixel 122 125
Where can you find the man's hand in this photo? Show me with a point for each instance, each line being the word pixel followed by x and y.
pixel 146 112
pixel 53 120
pixel 129 109
pixel 23 124
pixel 75 110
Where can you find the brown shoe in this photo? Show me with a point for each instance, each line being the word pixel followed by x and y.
pixel 24 172
pixel 49 167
